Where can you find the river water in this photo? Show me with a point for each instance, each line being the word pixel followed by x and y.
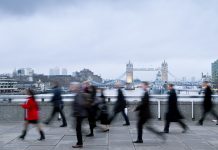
pixel 113 92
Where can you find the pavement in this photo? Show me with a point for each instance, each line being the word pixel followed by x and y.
pixel 118 138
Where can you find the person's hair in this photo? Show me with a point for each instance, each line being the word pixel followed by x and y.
pixel 145 83
pixel 56 84
pixel 206 82
pixel 31 93
pixel 171 85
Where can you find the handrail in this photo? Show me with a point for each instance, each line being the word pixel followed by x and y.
pixel 107 96
pixel 158 99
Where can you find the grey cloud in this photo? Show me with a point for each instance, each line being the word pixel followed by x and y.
pixel 104 35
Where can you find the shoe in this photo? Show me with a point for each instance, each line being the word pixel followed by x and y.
pixel 77 146
pixel 42 136
pixel 200 123
pixel 165 131
pixel 21 137
pixel 126 124
pixel 46 123
pixel 41 139
pixel 106 130
pixel 185 130
pixel 63 125
pixel 90 135
pixel 138 141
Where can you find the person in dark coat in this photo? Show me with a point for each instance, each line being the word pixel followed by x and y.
pixel 79 107
pixel 31 115
pixel 58 105
pixel 120 106
pixel 207 105
pixel 92 110
pixel 103 116
pixel 144 115
pixel 173 114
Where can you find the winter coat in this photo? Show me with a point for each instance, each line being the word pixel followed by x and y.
pixel 31 109
pixel 57 98
pixel 120 104
pixel 80 105
pixel 207 103
pixel 144 107
pixel 173 113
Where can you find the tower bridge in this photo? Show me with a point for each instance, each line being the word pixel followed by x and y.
pixel 163 71
pixel 162 77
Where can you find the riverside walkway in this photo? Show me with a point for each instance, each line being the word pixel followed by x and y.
pixel 118 138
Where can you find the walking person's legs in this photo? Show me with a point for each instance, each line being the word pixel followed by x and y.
pixel 26 125
pixel 183 125
pixel 167 126
pixel 153 130
pixel 215 115
pixel 139 131
pixel 125 117
pixel 42 135
pixel 64 122
pixel 200 122
pixel 91 126
pixel 54 111
pixel 79 133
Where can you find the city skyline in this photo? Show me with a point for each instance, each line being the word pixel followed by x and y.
pixel 103 35
pixel 64 71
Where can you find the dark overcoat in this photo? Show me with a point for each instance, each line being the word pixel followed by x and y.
pixel 207 103
pixel 144 107
pixel 173 114
pixel 120 104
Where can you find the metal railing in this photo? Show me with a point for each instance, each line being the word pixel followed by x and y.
pixel 156 98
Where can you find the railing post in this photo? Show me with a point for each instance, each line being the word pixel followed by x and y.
pixel 159 110
pixel 192 103
pixel 109 100
pixel 43 99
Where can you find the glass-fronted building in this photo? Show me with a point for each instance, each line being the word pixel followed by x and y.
pixel 215 73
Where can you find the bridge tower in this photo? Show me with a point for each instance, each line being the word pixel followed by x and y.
pixel 129 76
pixel 164 71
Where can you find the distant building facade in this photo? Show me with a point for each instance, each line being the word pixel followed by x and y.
pixel 214 69
pixel 64 71
pixel 58 71
pixel 24 72
pixel 7 85
pixel 87 74
pixel 54 71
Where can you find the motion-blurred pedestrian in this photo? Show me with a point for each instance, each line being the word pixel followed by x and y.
pixel 173 114
pixel 103 112
pixel 144 115
pixel 120 106
pixel 79 108
pixel 207 105
pixel 58 105
pixel 92 109
pixel 31 115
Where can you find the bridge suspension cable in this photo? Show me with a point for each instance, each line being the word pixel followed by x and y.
pixel 172 75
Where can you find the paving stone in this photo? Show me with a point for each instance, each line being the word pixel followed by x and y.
pixel 119 138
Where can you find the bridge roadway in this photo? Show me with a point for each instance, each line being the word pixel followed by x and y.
pixel 118 138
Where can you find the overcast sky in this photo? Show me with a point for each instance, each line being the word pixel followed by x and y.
pixel 103 35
